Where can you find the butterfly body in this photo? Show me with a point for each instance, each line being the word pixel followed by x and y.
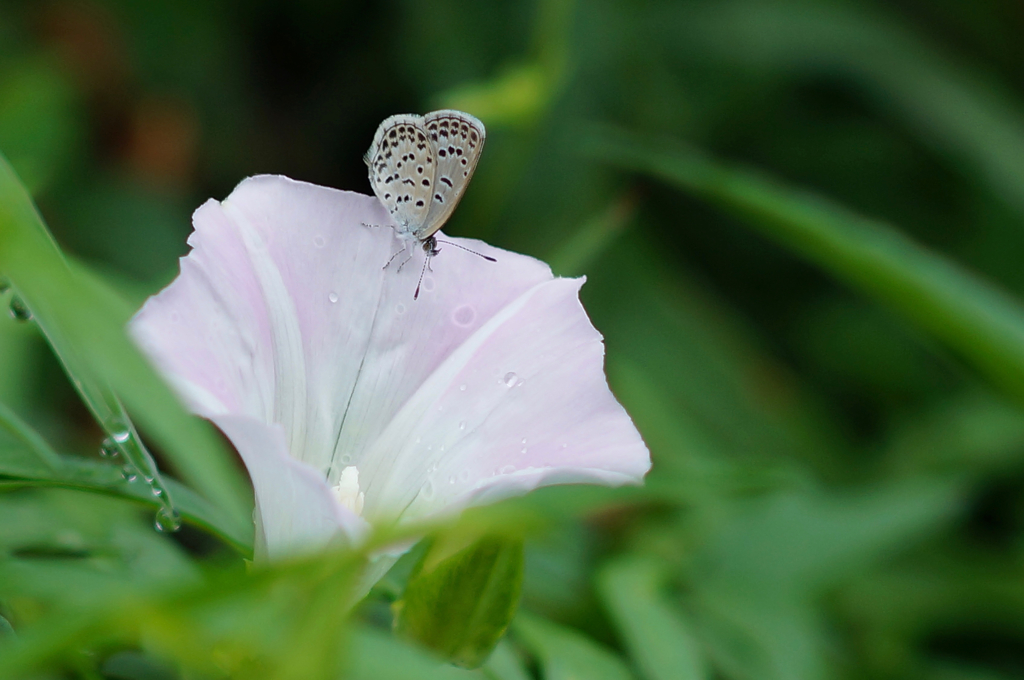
pixel 420 166
pixel 419 169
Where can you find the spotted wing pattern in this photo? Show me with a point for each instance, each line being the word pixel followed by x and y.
pixel 458 139
pixel 402 165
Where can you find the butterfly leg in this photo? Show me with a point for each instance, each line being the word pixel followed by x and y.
pixel 405 261
pixel 396 254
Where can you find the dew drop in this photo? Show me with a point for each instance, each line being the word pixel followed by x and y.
pixel 462 388
pixel 523 450
pixel 508 469
pixel 19 311
pixel 510 379
pixel 108 449
pixel 462 425
pixel 428 283
pixel 128 474
pixel 400 308
pixel 419 439
pixel 167 521
pixel 524 440
pixel 157 491
pixel 427 490
pixel 332 296
pixel 346 459
pixel 451 480
pixel 121 432
pixel 464 316
pixel 319 241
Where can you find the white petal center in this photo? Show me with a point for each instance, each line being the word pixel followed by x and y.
pixel 347 490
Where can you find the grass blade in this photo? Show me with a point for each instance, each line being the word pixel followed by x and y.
pixel 982 323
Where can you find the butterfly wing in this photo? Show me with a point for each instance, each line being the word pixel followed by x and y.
pixel 402 165
pixel 458 139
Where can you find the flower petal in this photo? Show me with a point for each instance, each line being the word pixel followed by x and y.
pixel 295 509
pixel 290 310
pixel 521 403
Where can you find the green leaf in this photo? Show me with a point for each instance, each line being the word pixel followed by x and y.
pixel 960 109
pixel 75 549
pixel 85 322
pixel 461 604
pixel 798 542
pixel 5 627
pixel 566 654
pixel 658 638
pixel 18 468
pixel 377 656
pixel 504 664
pixel 28 438
pixel 981 322
pixel 749 640
pixel 285 620
pixel 754 583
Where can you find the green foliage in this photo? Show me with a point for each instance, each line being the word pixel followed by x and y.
pixel 567 655
pixel 654 631
pixel 800 221
pixel 461 604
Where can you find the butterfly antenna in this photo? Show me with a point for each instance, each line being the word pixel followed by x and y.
pixel 450 243
pixel 416 295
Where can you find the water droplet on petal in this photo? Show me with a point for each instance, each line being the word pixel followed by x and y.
pixel 464 316
pixel 167 520
pixel 523 450
pixel 462 388
pixel 451 480
pixel 462 425
pixel 508 469
pixel 319 241
pixel 524 440
pixel 510 379
pixel 427 490
pixel 428 283
pixel 332 296
pixel 19 311
pixel 400 308
pixel 346 459
pixel 565 446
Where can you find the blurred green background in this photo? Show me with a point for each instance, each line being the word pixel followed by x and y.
pixel 802 225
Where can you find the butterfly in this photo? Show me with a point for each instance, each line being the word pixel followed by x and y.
pixel 419 168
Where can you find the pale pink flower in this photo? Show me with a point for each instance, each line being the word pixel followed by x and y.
pixel 351 403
